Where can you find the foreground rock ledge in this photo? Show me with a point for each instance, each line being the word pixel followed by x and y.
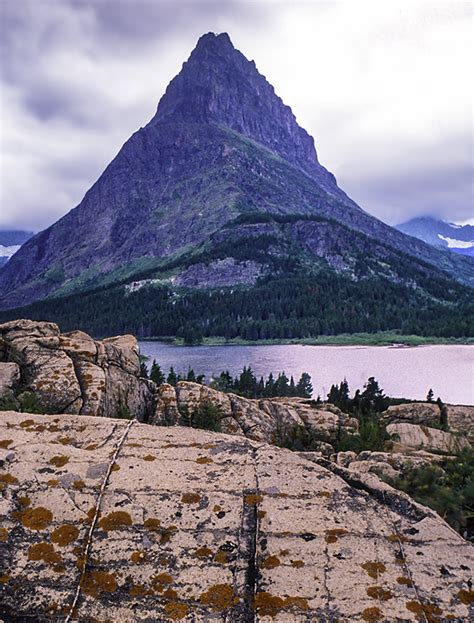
pixel 198 526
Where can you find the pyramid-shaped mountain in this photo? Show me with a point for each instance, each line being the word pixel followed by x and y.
pixel 221 187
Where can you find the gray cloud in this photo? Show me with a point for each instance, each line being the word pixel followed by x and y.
pixel 382 88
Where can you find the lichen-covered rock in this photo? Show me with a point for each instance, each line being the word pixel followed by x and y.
pixel 389 464
pixel 198 526
pixel 460 417
pixel 72 373
pixel 270 420
pixel 426 438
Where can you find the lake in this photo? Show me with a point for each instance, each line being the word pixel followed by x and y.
pixel 406 372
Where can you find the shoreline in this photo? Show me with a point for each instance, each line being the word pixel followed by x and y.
pixel 355 339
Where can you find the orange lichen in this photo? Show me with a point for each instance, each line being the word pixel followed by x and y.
pixel 59 461
pixel 137 590
pixel 3 535
pixel 324 494
pixel 261 514
pixel 203 552
pixel 24 500
pixel 64 535
pixel 466 596
pixel 37 518
pixel 65 441
pixel 27 423
pixel 219 597
pixel 297 563
pixel 166 534
pixel 271 562
pixel 176 611
pixel 8 479
pixel 270 605
pixel 53 482
pixel 152 523
pixel 221 557
pixel 216 508
pixel 138 557
pixel 333 534
pixel 4 443
pixel 117 520
pixel 252 499
pixel 78 485
pixel 405 581
pixel 374 568
pixel 202 460
pixel 190 498
pixel 397 538
pixel 377 592
pixel 425 612
pixel 5 578
pixel 91 446
pixel 149 457
pixel 371 615
pixel 115 467
pixel 96 582
pixel 45 552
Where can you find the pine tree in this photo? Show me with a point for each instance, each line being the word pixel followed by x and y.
pixel 156 375
pixel 429 396
pixel 304 386
pixel 172 377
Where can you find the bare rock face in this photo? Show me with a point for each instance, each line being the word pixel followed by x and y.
pixel 268 420
pixel 9 378
pixel 72 373
pixel 426 438
pixel 173 524
pixel 460 417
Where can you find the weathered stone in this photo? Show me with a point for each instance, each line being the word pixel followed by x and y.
pixel 9 377
pixel 199 526
pixel 460 417
pixel 426 438
pixel 73 373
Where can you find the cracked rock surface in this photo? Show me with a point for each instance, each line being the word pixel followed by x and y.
pixel 198 526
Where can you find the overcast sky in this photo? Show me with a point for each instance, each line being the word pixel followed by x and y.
pixel 384 87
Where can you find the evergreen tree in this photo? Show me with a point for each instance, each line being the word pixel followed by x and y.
pixel 429 396
pixel 191 376
pixel 143 370
pixel 156 375
pixel 172 377
pixel 304 386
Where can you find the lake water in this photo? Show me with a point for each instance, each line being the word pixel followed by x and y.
pixel 401 371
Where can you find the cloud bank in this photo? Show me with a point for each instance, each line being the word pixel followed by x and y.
pixel 383 87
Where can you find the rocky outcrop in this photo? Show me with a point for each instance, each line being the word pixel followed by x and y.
pixel 108 520
pixel 460 417
pixel 426 438
pixel 71 372
pixel 386 464
pixel 270 420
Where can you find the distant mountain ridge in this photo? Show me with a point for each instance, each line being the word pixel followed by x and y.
pixel 441 234
pixel 222 188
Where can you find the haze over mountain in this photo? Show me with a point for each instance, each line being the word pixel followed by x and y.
pixel 221 187
pixel 10 242
pixel 440 234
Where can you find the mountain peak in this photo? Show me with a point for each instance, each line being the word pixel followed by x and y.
pixel 219 85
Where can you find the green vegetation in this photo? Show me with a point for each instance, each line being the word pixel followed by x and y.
pixel 26 402
pixel 207 417
pixel 246 384
pixel 447 488
pixel 282 309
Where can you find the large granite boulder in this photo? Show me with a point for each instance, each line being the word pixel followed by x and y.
pixel 104 519
pixel 72 373
pixel 391 464
pixel 427 438
pixel 460 417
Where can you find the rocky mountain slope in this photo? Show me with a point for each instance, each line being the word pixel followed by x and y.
pixel 440 234
pixel 104 519
pixel 221 187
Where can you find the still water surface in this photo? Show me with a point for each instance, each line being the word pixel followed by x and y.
pixel 402 372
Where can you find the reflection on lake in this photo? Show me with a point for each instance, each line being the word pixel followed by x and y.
pixel 401 372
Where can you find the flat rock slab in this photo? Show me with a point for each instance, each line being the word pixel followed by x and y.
pixel 199 526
